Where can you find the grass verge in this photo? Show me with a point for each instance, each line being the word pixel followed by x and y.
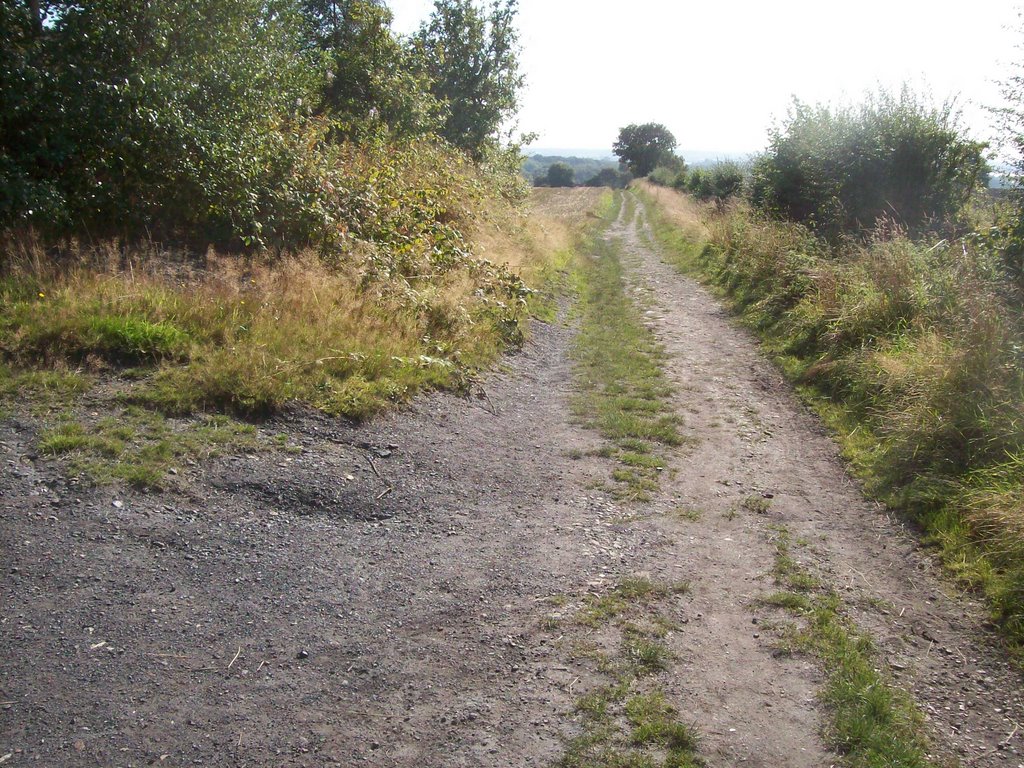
pixel 623 390
pixel 874 724
pixel 910 353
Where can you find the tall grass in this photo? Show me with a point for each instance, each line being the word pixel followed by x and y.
pixel 400 310
pixel 914 353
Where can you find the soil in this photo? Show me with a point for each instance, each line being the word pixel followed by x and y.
pixel 384 597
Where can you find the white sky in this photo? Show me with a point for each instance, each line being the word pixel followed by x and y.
pixel 716 72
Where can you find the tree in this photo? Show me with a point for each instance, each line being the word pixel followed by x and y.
pixel 374 79
pixel 560 175
pixel 182 115
pixel 472 58
pixel 642 148
pixel 609 177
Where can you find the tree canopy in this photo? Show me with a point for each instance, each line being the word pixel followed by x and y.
pixel 642 148
pixel 471 57
pixel 560 175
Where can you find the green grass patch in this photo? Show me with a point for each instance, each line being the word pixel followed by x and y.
pixel 141 447
pixel 624 393
pixel 628 721
pixel 626 595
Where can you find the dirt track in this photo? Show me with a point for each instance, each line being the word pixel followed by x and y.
pixel 276 612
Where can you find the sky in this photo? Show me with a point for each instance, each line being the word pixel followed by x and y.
pixel 718 72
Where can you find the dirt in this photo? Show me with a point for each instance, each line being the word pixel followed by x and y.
pixel 384 596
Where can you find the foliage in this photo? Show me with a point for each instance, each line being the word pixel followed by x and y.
pixel 535 167
pixel 404 304
pixel 642 148
pixel 609 177
pixel 842 170
pixel 719 183
pixel 159 117
pixel 375 81
pixel 560 175
pixel 471 55
pixel 235 121
pixel 1007 236
pixel 666 177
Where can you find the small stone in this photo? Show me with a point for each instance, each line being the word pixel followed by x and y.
pixel 303 654
pixel 118 504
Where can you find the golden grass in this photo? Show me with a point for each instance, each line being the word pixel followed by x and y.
pixel 682 210
pixel 246 335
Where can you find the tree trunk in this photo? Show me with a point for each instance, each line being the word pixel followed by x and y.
pixel 37 17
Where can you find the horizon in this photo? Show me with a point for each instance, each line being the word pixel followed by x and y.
pixel 720 75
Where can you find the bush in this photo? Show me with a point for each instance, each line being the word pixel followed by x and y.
pixel 665 176
pixel 721 182
pixel 843 170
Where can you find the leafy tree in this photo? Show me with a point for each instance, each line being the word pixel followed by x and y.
pixel 374 79
pixel 471 55
pixel 840 170
pixel 560 175
pixel 642 148
pixel 609 177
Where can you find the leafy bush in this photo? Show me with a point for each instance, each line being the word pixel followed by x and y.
pixel 665 176
pixel 719 183
pixel 843 170
pixel 219 120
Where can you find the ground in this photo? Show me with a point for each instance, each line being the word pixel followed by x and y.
pixel 452 583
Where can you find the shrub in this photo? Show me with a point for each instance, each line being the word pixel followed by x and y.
pixel 665 176
pixel 842 170
pixel 719 183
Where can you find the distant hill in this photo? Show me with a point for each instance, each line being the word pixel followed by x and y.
pixel 585 168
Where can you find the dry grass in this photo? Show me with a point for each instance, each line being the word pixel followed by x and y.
pixel 246 335
pixel 683 211
pixel 568 205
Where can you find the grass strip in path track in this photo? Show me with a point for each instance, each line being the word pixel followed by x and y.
pixel 623 392
pixel 874 724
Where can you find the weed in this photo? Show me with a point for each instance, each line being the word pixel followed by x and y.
pixel 757 504
pixel 688 513
pixel 139 446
